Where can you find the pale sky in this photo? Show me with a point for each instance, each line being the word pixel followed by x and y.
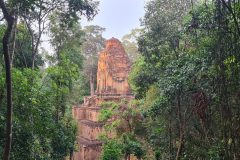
pixel 119 17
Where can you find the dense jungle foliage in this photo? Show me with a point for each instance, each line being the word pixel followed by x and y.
pixel 186 83
pixel 185 77
pixel 45 83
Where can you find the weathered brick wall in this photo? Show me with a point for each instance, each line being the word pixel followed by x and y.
pixel 89 131
pixel 112 85
pixel 113 69
pixel 88 153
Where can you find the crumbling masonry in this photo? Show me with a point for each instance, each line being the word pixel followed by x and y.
pixel 112 85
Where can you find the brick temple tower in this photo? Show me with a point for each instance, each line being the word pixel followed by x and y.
pixel 112 85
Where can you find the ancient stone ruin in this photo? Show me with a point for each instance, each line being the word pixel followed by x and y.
pixel 112 85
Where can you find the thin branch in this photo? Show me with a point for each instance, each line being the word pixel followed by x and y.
pixel 229 7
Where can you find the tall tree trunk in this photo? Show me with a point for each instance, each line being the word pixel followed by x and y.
pixel 14 32
pixel 170 137
pixel 91 84
pixel 5 42
pixel 71 155
pixel 180 147
pixel 181 128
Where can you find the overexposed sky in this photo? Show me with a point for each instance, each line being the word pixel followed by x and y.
pixel 119 17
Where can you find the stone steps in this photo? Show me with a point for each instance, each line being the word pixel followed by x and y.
pixel 90 130
pixel 89 143
pixel 91 123
pixel 87 113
